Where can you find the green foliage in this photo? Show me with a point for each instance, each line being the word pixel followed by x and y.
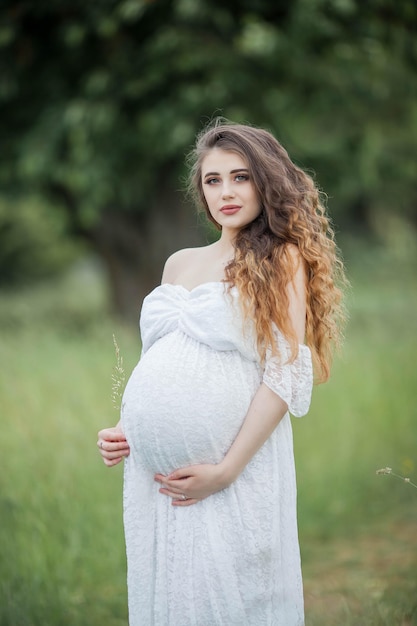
pixel 32 241
pixel 102 100
pixel 57 549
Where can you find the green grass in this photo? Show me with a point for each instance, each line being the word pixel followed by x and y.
pixel 61 538
pixel 364 417
pixel 62 559
pixel 358 530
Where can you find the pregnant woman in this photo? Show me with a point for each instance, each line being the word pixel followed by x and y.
pixel 229 341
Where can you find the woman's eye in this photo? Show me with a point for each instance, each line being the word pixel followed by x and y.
pixel 211 181
pixel 241 177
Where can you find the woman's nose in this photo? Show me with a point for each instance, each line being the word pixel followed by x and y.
pixel 227 190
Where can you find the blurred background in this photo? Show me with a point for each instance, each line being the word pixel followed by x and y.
pixel 99 104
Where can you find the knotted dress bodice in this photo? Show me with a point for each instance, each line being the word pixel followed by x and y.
pixel 211 315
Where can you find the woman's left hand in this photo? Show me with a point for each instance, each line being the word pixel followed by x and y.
pixel 189 485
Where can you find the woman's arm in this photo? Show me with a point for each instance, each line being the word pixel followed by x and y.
pixel 264 414
pixel 112 445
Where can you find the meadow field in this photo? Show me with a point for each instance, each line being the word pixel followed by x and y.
pixel 62 560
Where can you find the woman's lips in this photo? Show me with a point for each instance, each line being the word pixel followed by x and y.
pixel 230 209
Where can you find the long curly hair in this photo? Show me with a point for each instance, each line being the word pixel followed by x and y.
pixel 263 266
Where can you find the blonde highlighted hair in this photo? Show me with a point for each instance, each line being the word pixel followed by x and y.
pixel 263 265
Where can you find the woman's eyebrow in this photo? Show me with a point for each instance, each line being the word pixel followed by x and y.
pixel 240 169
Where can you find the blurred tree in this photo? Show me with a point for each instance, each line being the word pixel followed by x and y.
pixel 33 241
pixel 101 101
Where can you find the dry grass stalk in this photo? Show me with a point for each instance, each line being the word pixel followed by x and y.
pixel 118 378
pixel 388 470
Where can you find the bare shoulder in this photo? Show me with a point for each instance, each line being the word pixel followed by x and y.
pixel 178 262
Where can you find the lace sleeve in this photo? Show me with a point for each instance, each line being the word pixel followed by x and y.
pixel 293 382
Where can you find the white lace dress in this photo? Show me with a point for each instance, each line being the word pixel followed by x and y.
pixel 232 559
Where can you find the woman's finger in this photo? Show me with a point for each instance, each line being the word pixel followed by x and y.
pixel 179 498
pixel 110 446
pixel 176 486
pixel 112 462
pixel 185 502
pixel 180 474
pixel 110 434
pixel 110 456
pixel 171 493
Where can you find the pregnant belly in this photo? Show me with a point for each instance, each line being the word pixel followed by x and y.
pixel 185 403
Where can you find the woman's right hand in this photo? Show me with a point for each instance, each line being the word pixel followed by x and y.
pixel 112 445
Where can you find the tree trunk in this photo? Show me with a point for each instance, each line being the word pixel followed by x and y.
pixel 134 247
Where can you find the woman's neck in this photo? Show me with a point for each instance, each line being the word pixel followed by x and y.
pixel 225 244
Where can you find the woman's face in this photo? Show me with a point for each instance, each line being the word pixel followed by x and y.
pixel 229 192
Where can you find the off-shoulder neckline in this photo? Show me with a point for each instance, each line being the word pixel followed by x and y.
pixel 210 283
